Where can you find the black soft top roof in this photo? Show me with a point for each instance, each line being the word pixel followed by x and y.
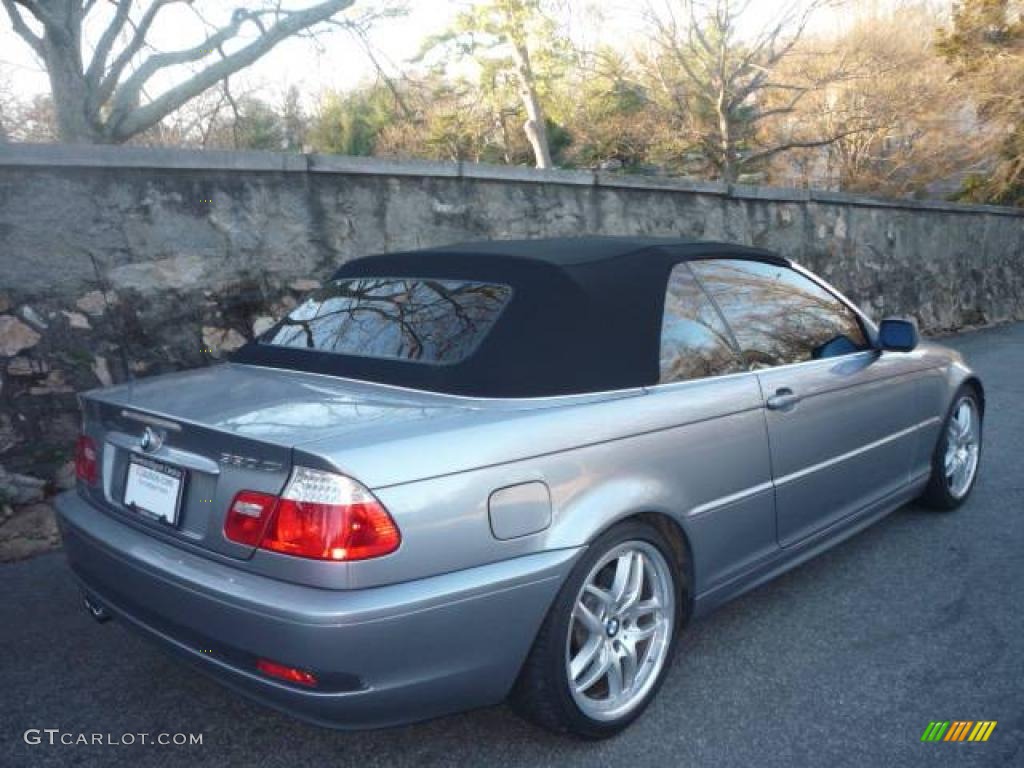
pixel 585 315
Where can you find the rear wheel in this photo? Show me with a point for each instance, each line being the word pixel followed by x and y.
pixel 604 648
pixel 957 453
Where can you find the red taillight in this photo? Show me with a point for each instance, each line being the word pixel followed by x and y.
pixel 291 674
pixel 248 516
pixel 320 515
pixel 326 516
pixel 86 460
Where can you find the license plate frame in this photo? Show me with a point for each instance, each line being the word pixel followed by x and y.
pixel 154 490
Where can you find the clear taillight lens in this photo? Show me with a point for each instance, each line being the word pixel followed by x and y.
pixel 86 460
pixel 330 517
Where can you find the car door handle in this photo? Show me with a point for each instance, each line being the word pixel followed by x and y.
pixel 783 400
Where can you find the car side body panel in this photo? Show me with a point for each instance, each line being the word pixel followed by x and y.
pixel 847 441
pixel 669 458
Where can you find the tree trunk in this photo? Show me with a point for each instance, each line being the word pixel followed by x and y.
pixel 727 167
pixel 70 93
pixel 536 125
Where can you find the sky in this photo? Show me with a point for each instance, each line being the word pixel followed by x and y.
pixel 336 61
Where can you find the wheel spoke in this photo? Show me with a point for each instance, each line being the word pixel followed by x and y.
pixel 586 655
pixel 639 634
pixel 964 419
pixel 628 663
pixel 587 618
pixel 643 608
pixel 962 473
pixel 623 569
pixel 635 584
pixel 615 681
pixel 603 596
pixel 597 671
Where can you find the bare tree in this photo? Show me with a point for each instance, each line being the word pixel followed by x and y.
pixel 719 86
pixel 510 35
pixel 912 129
pixel 100 96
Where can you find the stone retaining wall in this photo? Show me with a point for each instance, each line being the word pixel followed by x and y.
pixel 126 261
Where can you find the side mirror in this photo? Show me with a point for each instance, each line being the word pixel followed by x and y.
pixel 898 334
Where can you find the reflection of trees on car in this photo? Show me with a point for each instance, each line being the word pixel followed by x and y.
pixel 778 315
pixel 410 319
pixel 695 342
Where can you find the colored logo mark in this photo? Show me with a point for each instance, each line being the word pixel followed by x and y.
pixel 959 730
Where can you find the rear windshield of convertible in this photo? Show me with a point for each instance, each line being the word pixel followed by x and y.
pixel 435 321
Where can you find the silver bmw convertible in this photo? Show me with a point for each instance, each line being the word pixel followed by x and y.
pixel 505 470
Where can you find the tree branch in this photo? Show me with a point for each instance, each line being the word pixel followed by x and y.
pixel 127 119
pixel 766 153
pixel 22 29
pixel 109 81
pixel 43 16
pixel 106 42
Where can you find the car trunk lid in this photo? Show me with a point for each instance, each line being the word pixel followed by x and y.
pixel 229 428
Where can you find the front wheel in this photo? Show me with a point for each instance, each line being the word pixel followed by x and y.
pixel 604 648
pixel 957 454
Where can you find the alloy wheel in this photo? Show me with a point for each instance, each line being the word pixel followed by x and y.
pixel 620 631
pixel 962 447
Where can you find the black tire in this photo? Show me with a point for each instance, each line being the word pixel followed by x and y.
pixel 937 494
pixel 541 693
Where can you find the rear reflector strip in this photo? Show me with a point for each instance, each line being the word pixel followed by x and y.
pixel 86 460
pixel 289 674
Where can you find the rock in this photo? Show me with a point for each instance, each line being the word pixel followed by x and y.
pixel 102 371
pixel 839 230
pixel 33 317
pixel 27 366
pixel 284 306
pixel 217 341
pixel 8 437
pixel 31 530
pixel 173 273
pixel 15 336
pixel 302 286
pixel 95 302
pixel 77 320
pixel 20 489
pixel 64 478
pixel 53 384
pixel 262 324
pixel 449 209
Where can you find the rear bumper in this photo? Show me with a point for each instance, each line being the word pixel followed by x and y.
pixel 383 656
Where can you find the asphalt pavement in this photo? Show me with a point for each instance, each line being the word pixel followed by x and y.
pixel 841 662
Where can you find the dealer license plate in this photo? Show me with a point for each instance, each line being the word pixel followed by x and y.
pixel 154 489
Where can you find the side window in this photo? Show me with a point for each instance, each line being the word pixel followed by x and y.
pixel 777 315
pixel 694 340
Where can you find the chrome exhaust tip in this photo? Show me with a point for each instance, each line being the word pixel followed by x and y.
pixel 96 609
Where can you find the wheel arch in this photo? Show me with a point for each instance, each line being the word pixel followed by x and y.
pixel 682 553
pixel 645 499
pixel 974 383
